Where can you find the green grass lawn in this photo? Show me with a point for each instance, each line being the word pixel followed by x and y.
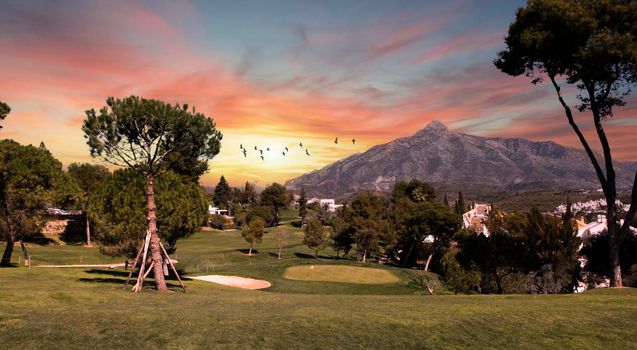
pixel 87 308
pixel 340 273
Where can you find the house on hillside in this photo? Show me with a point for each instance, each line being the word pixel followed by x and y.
pixel 329 205
pixel 597 227
pixel 474 218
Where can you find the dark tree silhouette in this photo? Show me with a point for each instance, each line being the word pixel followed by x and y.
pixel 593 45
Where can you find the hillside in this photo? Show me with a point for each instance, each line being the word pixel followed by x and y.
pixel 455 161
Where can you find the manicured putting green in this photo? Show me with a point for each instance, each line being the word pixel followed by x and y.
pixel 340 273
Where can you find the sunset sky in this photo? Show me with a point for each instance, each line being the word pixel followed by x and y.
pixel 276 73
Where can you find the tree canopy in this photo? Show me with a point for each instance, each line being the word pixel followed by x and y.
pixel 276 197
pixel 222 193
pixel 592 45
pixel 152 137
pixel 117 209
pixel 30 181
pixel 4 111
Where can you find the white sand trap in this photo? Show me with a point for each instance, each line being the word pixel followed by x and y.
pixel 235 281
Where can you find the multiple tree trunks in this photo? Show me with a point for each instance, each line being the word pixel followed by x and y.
pixel 154 238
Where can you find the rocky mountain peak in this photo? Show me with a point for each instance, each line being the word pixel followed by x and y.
pixel 434 126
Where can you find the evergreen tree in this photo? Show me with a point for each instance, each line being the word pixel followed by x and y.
pixel 88 177
pixel 591 45
pixel 369 222
pixel 31 180
pixel 302 206
pixel 249 194
pixel 117 208
pixel 152 137
pixel 461 205
pixel 222 194
pixel 316 236
pixel 275 196
pixel 4 111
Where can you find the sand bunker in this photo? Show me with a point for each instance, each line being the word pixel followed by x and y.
pixel 235 281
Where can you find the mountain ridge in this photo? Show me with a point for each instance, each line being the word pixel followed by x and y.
pixel 456 161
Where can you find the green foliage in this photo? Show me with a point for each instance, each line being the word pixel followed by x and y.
pixel 254 231
pixel 416 190
pixel 343 231
pixel 118 210
pixel 4 111
pixel 262 212
pixel 538 251
pixel 369 218
pixel 316 236
pixel 30 181
pixel 152 136
pixel 249 194
pixel 302 206
pixel 217 221
pixel 276 197
pixel 88 176
pixel 457 278
pixel 592 43
pixel 222 194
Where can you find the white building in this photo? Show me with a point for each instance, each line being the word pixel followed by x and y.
pixel 329 205
pixel 475 218
pixel 216 211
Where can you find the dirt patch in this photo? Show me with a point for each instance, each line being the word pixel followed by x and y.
pixel 235 281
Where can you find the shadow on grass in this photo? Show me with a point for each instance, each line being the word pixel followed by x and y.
pixel 123 275
pixel 246 251
pixel 11 266
pixel 121 282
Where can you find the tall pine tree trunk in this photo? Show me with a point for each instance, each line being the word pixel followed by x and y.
pixel 88 229
pixel 155 249
pixel 614 240
pixel 8 250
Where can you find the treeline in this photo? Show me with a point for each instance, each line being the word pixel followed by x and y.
pixel 523 252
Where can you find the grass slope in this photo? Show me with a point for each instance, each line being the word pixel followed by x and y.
pixel 87 308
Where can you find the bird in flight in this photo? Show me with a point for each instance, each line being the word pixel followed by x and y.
pixel 336 140
pixel 255 148
pixel 262 158
pixel 354 141
pixel 306 152
pixel 261 151
pixel 301 144
pixel 268 149
pixel 283 153
pixel 245 153
pixel 286 149
pixel 241 146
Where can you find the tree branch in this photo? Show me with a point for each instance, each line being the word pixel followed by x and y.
pixel 601 134
pixel 587 148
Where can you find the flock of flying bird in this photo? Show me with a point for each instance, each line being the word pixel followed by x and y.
pixel 284 152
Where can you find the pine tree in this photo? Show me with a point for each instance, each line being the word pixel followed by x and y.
pixel 222 193
pixel 302 206
pixel 461 206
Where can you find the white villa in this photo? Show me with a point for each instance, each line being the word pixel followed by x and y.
pixel 216 211
pixel 475 218
pixel 329 204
